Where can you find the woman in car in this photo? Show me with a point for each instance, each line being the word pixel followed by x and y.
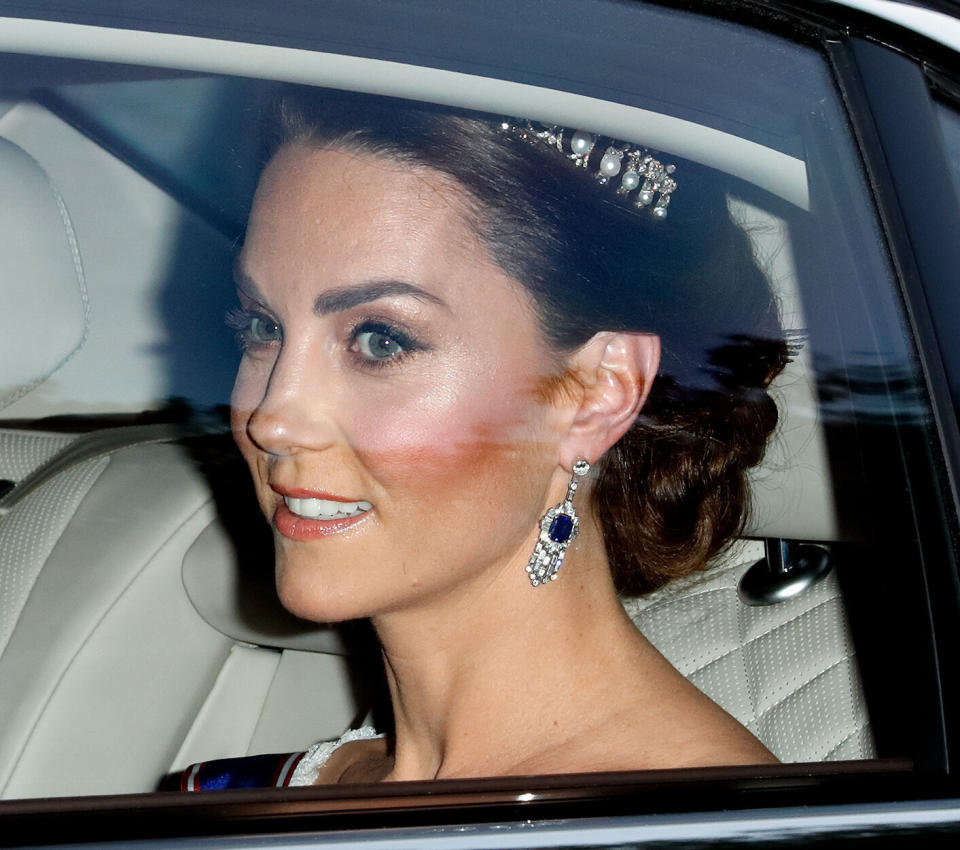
pixel 487 384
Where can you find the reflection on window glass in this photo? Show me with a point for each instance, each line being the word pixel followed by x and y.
pixel 950 127
pixel 175 130
pixel 499 380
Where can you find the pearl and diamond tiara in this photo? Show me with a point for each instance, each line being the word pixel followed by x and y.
pixel 637 167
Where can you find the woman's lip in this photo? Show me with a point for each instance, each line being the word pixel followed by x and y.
pixel 297 527
pixel 296 493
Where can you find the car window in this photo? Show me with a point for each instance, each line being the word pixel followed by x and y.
pixel 950 124
pixel 142 634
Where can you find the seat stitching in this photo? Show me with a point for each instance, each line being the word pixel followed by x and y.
pixel 844 740
pixel 803 685
pixel 713 575
pixel 68 663
pixel 752 690
pixel 67 223
pixel 683 594
pixel 667 598
pixel 796 616
pixel 744 644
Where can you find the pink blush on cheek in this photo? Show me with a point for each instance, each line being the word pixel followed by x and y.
pixel 417 436
pixel 456 471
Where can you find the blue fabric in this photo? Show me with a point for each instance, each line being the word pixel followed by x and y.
pixel 265 771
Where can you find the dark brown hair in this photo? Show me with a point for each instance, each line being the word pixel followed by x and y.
pixel 673 490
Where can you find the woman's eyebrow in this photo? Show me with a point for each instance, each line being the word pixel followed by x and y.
pixel 245 284
pixel 338 300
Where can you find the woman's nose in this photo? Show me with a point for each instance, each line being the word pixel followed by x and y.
pixel 294 413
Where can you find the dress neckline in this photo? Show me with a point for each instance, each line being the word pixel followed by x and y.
pixel 319 754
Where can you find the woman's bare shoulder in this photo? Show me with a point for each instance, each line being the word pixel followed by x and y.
pixel 667 722
pixel 656 747
pixel 665 725
pixel 687 730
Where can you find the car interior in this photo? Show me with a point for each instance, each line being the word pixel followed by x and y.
pixel 139 631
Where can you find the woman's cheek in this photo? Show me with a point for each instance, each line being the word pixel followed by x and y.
pixel 448 440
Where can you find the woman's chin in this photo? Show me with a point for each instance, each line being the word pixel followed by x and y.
pixel 306 595
pixel 321 592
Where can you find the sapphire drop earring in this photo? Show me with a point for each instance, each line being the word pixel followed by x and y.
pixel 558 529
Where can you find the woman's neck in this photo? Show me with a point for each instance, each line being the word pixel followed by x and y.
pixel 497 674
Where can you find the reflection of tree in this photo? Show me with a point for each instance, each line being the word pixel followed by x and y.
pixel 746 361
pixel 719 369
pixel 880 392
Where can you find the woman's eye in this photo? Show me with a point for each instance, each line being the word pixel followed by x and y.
pixel 262 329
pixel 380 343
pixel 254 329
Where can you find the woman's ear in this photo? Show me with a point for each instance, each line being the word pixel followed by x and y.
pixel 616 371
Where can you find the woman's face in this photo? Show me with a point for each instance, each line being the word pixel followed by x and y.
pixel 387 402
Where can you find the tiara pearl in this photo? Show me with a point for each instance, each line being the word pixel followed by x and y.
pixel 638 169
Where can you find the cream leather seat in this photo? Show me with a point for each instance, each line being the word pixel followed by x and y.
pixel 110 672
pixel 105 665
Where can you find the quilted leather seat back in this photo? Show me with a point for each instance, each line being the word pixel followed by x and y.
pixel 787 672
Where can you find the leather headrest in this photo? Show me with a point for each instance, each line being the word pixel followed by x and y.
pixel 791 491
pixel 43 297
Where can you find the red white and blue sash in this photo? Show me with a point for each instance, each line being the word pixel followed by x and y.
pixel 266 771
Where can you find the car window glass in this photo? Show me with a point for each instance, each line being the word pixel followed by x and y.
pixel 949 122
pixel 950 126
pixel 157 176
pixel 165 125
